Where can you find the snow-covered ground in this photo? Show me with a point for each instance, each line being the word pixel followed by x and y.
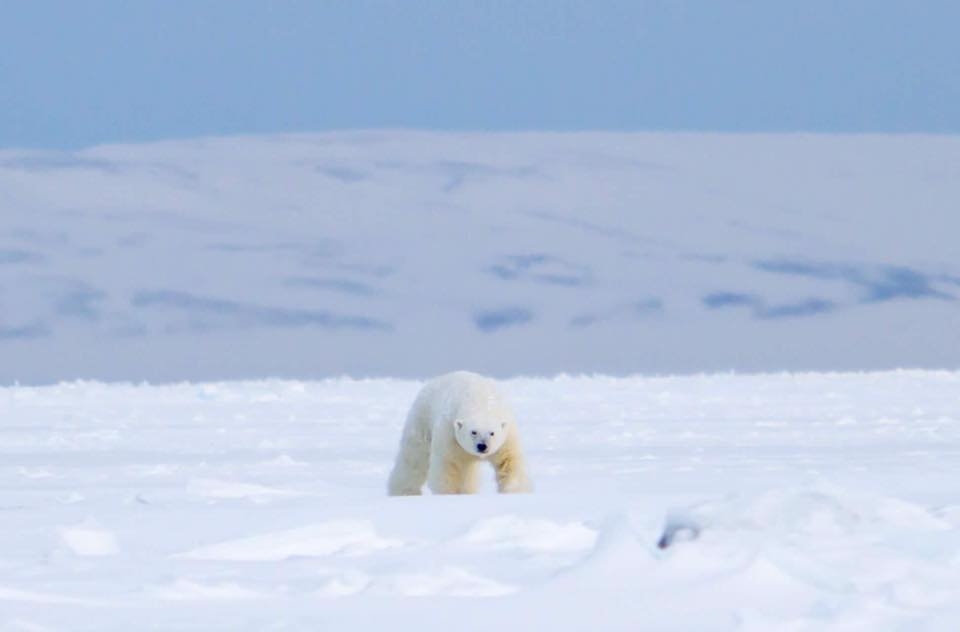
pixel 405 254
pixel 793 502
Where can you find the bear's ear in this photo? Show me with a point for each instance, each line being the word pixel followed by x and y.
pixel 503 425
pixel 459 423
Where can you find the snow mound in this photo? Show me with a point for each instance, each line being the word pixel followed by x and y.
pixel 530 535
pixel 341 537
pixel 89 542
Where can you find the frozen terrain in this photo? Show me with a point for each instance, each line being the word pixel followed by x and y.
pixel 405 254
pixel 800 502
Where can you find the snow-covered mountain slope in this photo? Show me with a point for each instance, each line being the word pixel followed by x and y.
pixel 406 254
pixel 795 502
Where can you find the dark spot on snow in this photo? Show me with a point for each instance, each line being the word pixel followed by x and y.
pixel 877 283
pixel 900 282
pixel 515 266
pixel 801 268
pixel 40 237
pixel 492 320
pixel 80 302
pixel 204 313
pixel 541 268
pixel 809 307
pixel 345 286
pixel 15 256
pixel 343 174
pixel 645 307
pixel 639 309
pixel 584 320
pixel 24 332
pixel 674 532
pixel 560 279
pixel 719 300
pixel 761 310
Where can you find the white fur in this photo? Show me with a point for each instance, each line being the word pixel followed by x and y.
pixel 451 415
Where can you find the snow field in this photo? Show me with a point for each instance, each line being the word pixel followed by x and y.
pixel 795 502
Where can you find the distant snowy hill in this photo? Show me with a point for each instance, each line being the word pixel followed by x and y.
pixel 405 254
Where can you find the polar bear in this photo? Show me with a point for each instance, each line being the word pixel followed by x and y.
pixel 458 421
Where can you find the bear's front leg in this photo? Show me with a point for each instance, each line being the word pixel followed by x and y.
pixel 511 472
pixel 452 476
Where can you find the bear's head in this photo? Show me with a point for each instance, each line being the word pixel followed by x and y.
pixel 480 436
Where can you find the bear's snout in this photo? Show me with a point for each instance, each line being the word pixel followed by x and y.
pixel 481 447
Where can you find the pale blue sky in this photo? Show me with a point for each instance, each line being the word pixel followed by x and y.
pixel 80 72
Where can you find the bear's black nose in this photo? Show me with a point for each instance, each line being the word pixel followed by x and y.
pixel 481 447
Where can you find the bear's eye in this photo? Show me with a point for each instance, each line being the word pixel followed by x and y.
pixel 492 433
pixel 473 432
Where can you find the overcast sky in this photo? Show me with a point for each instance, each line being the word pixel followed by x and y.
pixel 81 72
